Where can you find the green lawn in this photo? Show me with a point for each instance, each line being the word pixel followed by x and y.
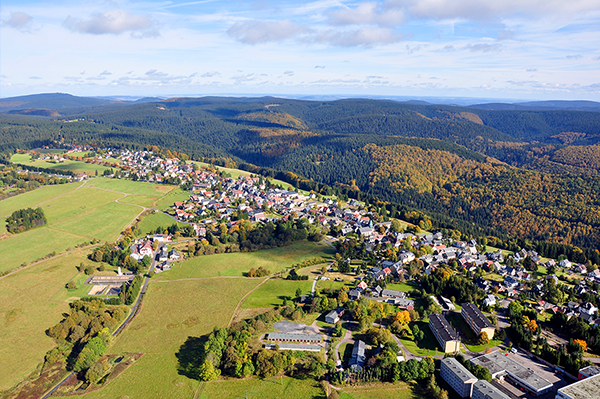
pixel 270 388
pixel 470 339
pixel 404 287
pixel 170 198
pixel 26 311
pixel 236 264
pixel 33 199
pixel 272 292
pixel 67 165
pixel 427 346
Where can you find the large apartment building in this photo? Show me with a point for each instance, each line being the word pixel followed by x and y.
pixel 585 389
pixel 477 320
pixel 457 376
pixel 445 334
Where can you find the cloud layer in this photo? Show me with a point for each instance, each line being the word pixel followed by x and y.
pixel 114 22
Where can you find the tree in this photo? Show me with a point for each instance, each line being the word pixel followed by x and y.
pixel 582 343
pixel 298 292
pixel 483 338
pixel 208 372
pixel 402 317
pixel 71 285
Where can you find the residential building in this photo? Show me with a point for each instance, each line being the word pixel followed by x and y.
pixel 484 390
pixel 445 334
pixel 334 316
pixel 457 376
pixel 358 356
pixel 477 320
pixel 584 389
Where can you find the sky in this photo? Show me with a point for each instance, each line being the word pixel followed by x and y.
pixel 517 49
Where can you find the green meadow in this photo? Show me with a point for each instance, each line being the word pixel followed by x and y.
pixel 67 165
pixel 27 309
pixel 237 264
pixel 272 292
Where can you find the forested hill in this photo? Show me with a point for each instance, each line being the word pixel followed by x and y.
pixel 523 173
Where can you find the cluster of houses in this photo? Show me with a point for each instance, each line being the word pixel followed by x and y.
pixel 164 257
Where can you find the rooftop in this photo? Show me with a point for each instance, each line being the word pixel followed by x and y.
pixel 444 329
pixel 490 391
pixel 476 315
pixel 294 337
pixel 583 389
pixel 458 369
pixel 497 363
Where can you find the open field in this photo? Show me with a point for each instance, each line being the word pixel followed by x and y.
pixel 398 390
pixel 171 313
pixel 272 292
pixel 270 388
pixel 26 311
pixel 131 187
pixel 405 287
pixel 76 213
pixel 154 220
pixel 236 264
pixel 170 198
pixel 67 165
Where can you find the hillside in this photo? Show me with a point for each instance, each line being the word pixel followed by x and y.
pixel 502 170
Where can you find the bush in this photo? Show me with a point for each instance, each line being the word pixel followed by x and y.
pixel 71 285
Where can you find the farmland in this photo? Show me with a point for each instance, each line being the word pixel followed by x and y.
pixel 97 209
pixel 66 165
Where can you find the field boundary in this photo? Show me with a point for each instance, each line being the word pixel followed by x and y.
pixel 236 311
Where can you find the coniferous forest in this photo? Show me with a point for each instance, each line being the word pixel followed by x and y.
pixel 526 174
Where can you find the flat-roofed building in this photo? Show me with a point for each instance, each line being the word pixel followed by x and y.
pixel 484 390
pixel 457 376
pixel 477 320
pixel 501 365
pixel 588 371
pixel 445 334
pixel 290 337
pixel 584 389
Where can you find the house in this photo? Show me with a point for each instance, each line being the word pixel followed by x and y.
pixel 489 301
pixel 587 309
pixel 334 316
pixel 357 360
pixel 174 255
pixel 163 254
pixel 510 282
pixel 354 294
pixel 565 263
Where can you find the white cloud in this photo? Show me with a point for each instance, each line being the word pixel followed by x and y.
pixel 257 31
pixel 483 47
pixel 574 56
pixel 18 20
pixel 105 73
pixel 114 22
pixel 210 74
pixel 360 37
pixel 288 73
pixel 371 12
pixel 319 67
pixel 35 77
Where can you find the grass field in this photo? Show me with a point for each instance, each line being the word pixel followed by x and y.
pixel 270 388
pixel 26 311
pixel 172 312
pixel 77 213
pixel 405 287
pixel 67 165
pixel 153 221
pixel 272 292
pixel 459 323
pixel 398 390
pixel 427 346
pixel 236 264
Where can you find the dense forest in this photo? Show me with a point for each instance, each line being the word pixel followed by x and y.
pixel 516 173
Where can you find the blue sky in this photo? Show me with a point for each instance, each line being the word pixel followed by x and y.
pixel 518 49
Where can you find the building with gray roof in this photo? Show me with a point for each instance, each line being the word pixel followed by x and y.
pixel 584 389
pixel 484 390
pixel 477 320
pixel 501 365
pixel 305 338
pixel 457 376
pixel 358 356
pixel 445 334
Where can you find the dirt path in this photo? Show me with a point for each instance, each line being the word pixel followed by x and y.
pixel 347 339
pixel 237 310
